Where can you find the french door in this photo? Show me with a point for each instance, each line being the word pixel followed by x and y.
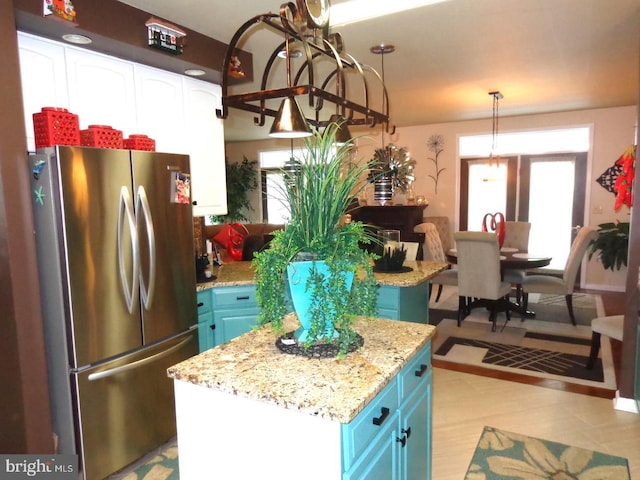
pixel 546 190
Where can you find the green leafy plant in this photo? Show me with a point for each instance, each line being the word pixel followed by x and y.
pixel 611 245
pixel 242 178
pixel 318 191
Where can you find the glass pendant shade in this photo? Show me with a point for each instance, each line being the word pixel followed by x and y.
pixel 289 122
pixel 343 135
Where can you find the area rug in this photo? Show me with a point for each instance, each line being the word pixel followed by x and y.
pixel 542 347
pixel 162 465
pixel 505 455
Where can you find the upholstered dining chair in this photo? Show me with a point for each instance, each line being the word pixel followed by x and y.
pixel 433 251
pixel 516 235
pixel 565 285
pixel 611 327
pixel 479 276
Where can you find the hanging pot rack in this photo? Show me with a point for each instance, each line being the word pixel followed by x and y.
pixel 329 45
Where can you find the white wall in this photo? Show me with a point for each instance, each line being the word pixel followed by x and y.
pixel 613 129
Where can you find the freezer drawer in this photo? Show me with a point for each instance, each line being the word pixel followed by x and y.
pixel 126 408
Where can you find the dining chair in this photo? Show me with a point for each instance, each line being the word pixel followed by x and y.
pixel 565 285
pixel 611 327
pixel 433 251
pixel 479 275
pixel 516 236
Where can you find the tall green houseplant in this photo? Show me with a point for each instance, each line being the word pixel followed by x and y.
pixel 318 193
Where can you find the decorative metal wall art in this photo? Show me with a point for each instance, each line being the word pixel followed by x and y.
pixel 436 145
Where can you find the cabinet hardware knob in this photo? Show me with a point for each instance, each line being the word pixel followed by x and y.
pixel 402 440
pixel 212 326
pixel 195 202
pixel 423 368
pixel 406 432
pixel 200 304
pixel 384 413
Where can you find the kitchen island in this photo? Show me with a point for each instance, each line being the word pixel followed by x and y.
pixel 246 410
pixel 227 306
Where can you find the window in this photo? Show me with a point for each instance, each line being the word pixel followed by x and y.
pixel 274 210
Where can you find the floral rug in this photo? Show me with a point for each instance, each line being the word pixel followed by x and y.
pixel 162 465
pixel 504 455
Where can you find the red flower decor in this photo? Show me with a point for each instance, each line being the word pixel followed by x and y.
pixel 624 181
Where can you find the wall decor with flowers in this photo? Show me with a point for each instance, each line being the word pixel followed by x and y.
pixel 618 178
pixel 436 145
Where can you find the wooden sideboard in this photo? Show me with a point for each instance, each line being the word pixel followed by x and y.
pixel 393 217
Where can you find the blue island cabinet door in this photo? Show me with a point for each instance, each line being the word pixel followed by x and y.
pixel 416 430
pixel 380 461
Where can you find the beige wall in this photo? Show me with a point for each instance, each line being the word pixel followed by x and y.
pixel 613 129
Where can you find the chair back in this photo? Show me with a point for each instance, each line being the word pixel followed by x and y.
pixel 444 229
pixel 412 250
pixel 578 249
pixel 478 265
pixel 516 235
pixel 432 248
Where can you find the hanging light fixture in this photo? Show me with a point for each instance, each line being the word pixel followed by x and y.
pixel 305 34
pixel 289 121
pixel 493 156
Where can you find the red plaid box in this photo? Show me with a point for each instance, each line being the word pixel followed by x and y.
pixel 101 136
pixel 55 126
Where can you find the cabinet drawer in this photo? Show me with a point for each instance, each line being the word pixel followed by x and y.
pixel 235 297
pixel 358 434
pixel 415 373
pixel 204 302
pixel 388 297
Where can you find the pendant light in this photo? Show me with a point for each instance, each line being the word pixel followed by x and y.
pixel 289 121
pixel 493 156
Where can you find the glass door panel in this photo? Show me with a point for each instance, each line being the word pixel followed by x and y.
pixel 489 183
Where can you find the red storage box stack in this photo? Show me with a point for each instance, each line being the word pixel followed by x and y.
pixel 101 136
pixel 140 142
pixel 55 126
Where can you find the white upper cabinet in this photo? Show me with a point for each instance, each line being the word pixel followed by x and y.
pixel 176 111
pixel 160 108
pixel 205 134
pixel 44 81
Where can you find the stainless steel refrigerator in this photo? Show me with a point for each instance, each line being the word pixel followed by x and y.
pixel 114 238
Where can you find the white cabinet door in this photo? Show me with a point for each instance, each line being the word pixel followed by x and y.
pixel 101 90
pixel 44 79
pixel 160 108
pixel 205 136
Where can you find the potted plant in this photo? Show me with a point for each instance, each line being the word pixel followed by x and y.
pixel 242 178
pixel 611 245
pixel 318 254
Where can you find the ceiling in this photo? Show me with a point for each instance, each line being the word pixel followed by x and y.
pixel 542 55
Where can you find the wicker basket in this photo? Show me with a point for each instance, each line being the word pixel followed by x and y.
pixel 140 142
pixel 55 126
pixel 101 136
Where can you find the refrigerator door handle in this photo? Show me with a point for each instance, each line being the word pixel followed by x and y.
pixel 138 363
pixel 125 214
pixel 144 210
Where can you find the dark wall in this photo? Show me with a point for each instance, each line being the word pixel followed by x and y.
pixel 25 421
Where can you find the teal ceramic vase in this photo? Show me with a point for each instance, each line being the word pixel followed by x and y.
pixel 298 275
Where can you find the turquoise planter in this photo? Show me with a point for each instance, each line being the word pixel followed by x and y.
pixel 298 274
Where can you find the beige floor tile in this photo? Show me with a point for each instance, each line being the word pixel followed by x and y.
pixel 463 404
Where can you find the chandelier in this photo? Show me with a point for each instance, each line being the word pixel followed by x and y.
pixel 313 84
pixel 493 155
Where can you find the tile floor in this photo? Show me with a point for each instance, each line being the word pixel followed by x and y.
pixel 464 403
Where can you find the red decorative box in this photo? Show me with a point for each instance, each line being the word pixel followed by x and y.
pixel 140 142
pixel 55 126
pixel 101 136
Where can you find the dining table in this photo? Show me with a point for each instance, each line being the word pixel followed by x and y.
pixel 512 258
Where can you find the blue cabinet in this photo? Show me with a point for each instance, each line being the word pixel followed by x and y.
pixel 410 303
pixel 235 311
pixel 391 438
pixel 206 324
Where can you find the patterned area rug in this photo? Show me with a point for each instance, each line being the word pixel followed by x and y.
pixel 546 347
pixel 161 466
pixel 505 455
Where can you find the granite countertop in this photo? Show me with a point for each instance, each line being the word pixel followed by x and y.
pixel 234 274
pixel 335 389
